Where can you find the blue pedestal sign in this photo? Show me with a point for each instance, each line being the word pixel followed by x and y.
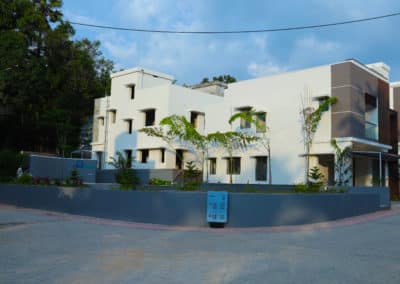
pixel 217 206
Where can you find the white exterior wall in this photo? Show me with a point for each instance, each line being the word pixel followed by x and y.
pixel 280 97
pixel 150 93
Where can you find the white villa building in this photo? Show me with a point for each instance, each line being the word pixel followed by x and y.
pixel 364 118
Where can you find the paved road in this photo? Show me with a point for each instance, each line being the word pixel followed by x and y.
pixel 42 247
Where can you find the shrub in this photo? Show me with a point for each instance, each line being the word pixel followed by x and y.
pixel 125 176
pixel 190 186
pixel 157 181
pixel 25 179
pixel 74 178
pixel 41 181
pixel 301 187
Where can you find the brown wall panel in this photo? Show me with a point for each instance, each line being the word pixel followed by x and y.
pixel 396 106
pixel 384 112
pixel 348 124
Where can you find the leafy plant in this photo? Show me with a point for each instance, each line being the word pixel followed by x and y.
pixel 252 116
pixel 310 118
pixel 74 178
pixel 157 181
pixel 190 186
pixel 316 177
pixel 231 141
pixel 125 176
pixel 191 172
pixel 25 179
pixel 343 165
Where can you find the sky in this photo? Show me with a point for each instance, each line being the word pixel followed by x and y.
pixel 190 58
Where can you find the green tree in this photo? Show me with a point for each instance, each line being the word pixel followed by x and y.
pixel 43 70
pixel 252 116
pixel 176 130
pixel 125 175
pixel 227 79
pixel 231 141
pixel 310 118
pixel 343 164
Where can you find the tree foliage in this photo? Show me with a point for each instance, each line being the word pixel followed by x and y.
pixel 251 116
pixel 45 74
pixel 221 78
pixel 310 118
pixel 343 164
pixel 125 175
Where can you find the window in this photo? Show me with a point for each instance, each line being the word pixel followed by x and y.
pixel 129 125
pixel 261 168
pixel 261 122
pixel 150 117
pixel 145 156
pixel 113 114
pixel 234 165
pixel 162 155
pixel 101 120
pixel 197 119
pixel 213 166
pixel 243 122
pixel 194 118
pixel 179 159
pixel 132 87
pixel 128 155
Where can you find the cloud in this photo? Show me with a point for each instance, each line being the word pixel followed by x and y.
pixel 266 69
pixel 311 43
pixel 120 48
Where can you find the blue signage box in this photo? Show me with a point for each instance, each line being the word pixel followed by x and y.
pixel 217 206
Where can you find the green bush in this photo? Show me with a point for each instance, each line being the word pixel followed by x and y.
pixel 126 178
pixel 157 181
pixel 25 179
pixel 190 186
pixel 301 187
pixel 74 178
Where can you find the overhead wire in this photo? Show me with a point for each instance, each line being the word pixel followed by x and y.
pixel 315 26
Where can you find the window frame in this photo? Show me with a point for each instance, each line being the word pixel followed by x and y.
pixel 212 167
pixel 146 113
pixel 256 171
pixel 236 168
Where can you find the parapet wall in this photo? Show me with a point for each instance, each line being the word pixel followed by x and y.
pixel 189 208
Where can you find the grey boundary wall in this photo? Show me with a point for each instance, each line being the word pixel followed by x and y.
pixel 189 208
pixel 144 175
pixel 60 168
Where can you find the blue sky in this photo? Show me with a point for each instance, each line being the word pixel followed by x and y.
pixel 189 58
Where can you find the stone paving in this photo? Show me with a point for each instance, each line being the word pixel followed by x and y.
pixel 45 247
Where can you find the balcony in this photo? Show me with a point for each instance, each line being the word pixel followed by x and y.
pixel 371 131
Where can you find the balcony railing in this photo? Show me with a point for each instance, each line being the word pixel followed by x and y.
pixel 371 130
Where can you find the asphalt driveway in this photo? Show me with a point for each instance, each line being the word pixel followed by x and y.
pixel 45 247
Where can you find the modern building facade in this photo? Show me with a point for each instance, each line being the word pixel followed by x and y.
pixel 364 119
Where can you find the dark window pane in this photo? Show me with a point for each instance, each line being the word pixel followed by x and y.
pixel 261 168
pixel 234 165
